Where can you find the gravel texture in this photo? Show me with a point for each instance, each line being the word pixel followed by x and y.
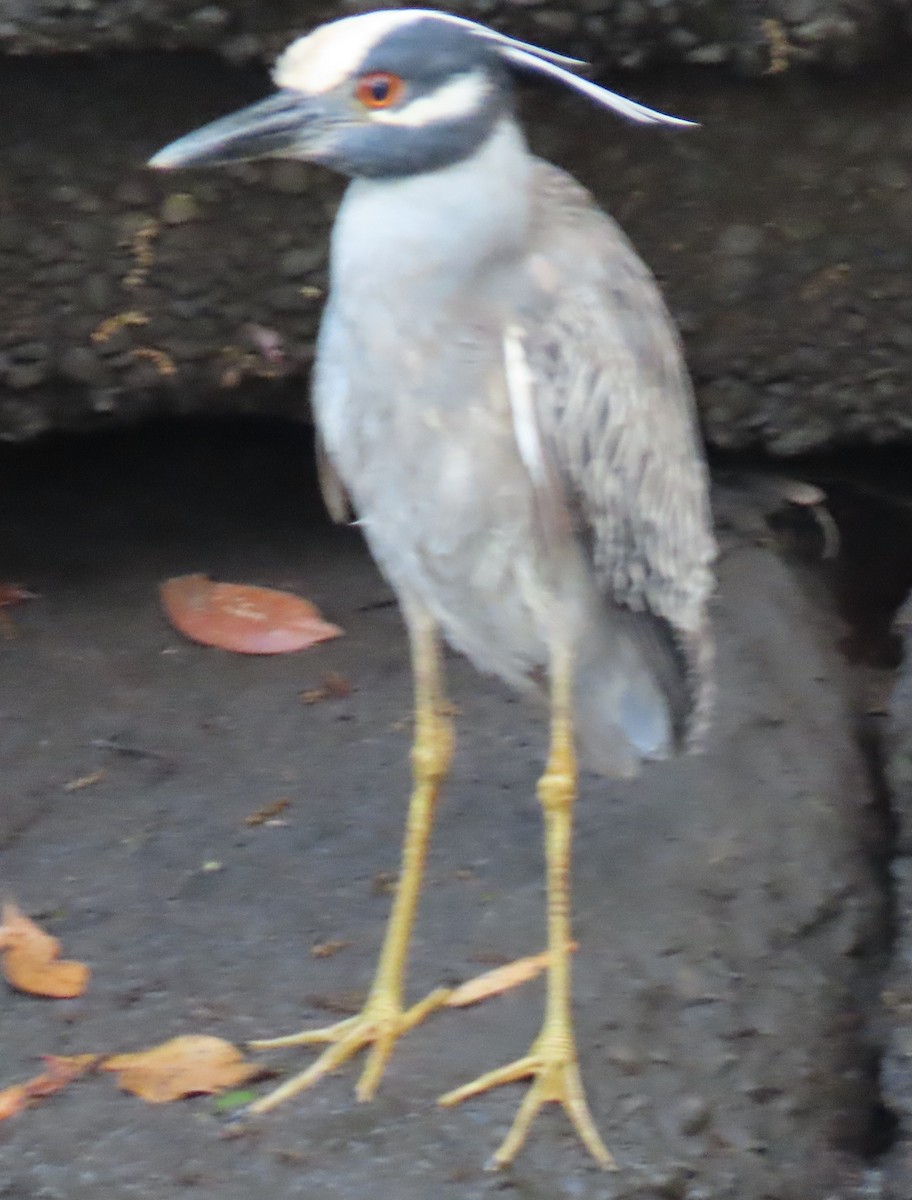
pixel 753 35
pixel 780 230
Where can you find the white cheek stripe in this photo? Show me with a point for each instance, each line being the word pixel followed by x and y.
pixel 459 97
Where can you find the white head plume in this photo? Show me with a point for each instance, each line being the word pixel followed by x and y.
pixel 553 65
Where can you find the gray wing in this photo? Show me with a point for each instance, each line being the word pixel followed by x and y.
pixel 614 410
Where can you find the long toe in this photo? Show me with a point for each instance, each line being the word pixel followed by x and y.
pixel 555 1079
pixel 379 1025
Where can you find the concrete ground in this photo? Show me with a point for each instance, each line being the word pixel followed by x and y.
pixel 731 910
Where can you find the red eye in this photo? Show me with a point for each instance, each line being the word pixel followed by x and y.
pixel 379 89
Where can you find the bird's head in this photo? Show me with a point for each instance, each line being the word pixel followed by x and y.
pixel 386 94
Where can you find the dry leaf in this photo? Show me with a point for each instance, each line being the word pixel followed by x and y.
pixel 243 618
pixel 268 812
pixel 84 781
pixel 30 959
pixel 328 949
pixel 333 687
pixel 14 593
pixel 501 979
pixel 12 1100
pixel 59 1071
pixel 184 1066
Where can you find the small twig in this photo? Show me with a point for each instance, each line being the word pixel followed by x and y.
pixel 127 750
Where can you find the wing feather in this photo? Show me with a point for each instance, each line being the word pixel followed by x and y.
pixel 614 407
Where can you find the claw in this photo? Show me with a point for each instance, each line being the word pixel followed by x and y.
pixel 555 1079
pixel 379 1025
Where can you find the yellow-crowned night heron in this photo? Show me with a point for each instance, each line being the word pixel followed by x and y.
pixel 500 391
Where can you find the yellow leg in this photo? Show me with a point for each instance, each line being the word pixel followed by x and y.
pixel 551 1061
pixel 383 1019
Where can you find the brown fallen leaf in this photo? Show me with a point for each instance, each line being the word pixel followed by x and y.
pixel 333 687
pixel 243 618
pixel 268 813
pixel 501 979
pixel 84 781
pixel 14 593
pixel 12 1100
pixel 183 1066
pixel 59 1071
pixel 31 961
pixel 328 949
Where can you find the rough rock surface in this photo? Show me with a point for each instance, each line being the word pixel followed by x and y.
pixel 755 35
pixel 779 229
pixel 730 908
pixel 897 1071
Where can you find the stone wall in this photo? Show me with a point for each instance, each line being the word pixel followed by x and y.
pixel 756 35
pixel 779 230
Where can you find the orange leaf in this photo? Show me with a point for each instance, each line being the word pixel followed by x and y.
pixel 184 1066
pixel 14 593
pixel 30 959
pixel 333 687
pixel 58 1073
pixel 268 813
pixel 69 1066
pixel 243 618
pixel 12 1100
pixel 501 979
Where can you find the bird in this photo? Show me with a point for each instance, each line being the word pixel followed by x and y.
pixel 501 402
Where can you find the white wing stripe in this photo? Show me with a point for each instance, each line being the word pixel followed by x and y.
pixel 522 406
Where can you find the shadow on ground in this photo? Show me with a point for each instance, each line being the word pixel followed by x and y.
pixel 730 909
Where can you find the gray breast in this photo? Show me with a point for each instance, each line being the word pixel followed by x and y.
pixel 412 396
pixel 419 428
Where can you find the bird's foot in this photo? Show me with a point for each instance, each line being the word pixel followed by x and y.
pixel 379 1025
pixel 551 1063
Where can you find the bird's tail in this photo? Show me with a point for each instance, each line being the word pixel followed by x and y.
pixel 632 694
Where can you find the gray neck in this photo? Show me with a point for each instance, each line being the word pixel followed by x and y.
pixel 430 234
